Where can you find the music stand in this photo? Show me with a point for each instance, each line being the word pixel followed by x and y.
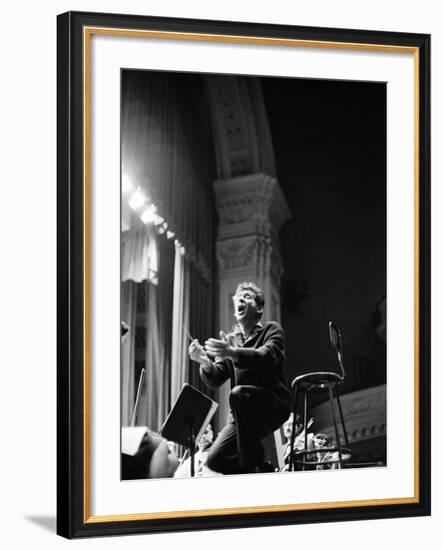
pixel 188 419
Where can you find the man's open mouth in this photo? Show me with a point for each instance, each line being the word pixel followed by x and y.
pixel 241 308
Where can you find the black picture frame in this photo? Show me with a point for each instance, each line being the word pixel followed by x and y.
pixel 73 519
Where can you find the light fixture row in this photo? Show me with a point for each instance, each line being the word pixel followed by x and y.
pixel 137 200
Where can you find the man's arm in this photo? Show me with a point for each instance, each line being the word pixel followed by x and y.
pixel 271 352
pixel 212 374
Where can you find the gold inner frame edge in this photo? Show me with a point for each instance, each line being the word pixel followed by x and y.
pixel 87 33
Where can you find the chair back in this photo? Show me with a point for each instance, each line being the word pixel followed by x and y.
pixel 336 342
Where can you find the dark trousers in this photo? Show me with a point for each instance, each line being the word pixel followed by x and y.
pixel 256 412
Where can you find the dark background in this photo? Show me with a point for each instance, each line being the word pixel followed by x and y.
pixel 329 140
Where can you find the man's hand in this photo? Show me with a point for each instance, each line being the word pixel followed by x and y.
pixel 197 353
pixel 223 348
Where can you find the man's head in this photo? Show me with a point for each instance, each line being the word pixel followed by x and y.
pixel 248 302
pixel 206 439
pixel 288 426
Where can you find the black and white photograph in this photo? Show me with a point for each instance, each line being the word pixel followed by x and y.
pixel 253 275
pixel 209 208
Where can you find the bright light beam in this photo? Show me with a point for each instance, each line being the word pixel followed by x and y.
pixel 126 184
pixel 137 200
pixel 148 216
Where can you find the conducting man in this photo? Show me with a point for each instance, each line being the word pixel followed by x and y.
pixel 252 358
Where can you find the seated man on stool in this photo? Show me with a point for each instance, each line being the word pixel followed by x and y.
pixel 252 358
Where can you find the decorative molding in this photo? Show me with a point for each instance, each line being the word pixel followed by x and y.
pixel 364 414
pixel 240 126
pixel 251 211
pixel 237 253
pixel 229 126
pixel 255 200
pixel 276 264
pixel 228 100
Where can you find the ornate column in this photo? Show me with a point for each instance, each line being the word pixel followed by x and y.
pixel 251 210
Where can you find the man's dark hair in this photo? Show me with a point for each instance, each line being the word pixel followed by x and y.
pixel 259 295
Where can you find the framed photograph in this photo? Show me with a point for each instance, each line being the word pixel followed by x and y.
pixel 239 205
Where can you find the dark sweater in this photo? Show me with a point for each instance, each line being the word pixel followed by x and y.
pixel 260 362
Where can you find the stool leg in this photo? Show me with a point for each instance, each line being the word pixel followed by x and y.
pixel 338 442
pixel 292 437
pixel 305 425
pixel 344 429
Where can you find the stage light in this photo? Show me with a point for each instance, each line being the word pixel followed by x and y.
pixel 180 247
pixel 137 200
pixel 158 220
pixel 148 215
pixel 170 234
pixel 126 184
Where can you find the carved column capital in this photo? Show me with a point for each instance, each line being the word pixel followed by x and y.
pixel 252 204
pixel 251 211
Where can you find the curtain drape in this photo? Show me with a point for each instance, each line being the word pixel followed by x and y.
pixel 202 315
pixel 177 298
pixel 167 152
pixel 154 402
pixel 140 265
pixel 180 322
pixel 139 254
pixel 128 315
